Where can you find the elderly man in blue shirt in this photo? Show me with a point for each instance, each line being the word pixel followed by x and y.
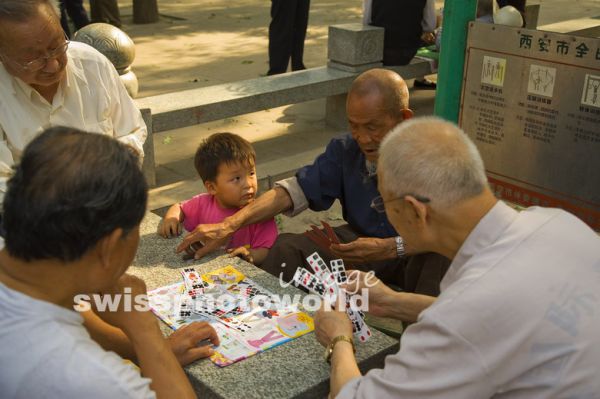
pixel 346 171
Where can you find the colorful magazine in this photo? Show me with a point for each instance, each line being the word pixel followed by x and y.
pixel 246 316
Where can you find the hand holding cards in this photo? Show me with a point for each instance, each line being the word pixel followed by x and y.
pixel 326 283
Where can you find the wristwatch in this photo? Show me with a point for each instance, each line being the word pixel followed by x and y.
pixel 329 348
pixel 399 246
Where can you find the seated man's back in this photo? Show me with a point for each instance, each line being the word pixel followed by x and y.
pixel 519 304
pixel 47 352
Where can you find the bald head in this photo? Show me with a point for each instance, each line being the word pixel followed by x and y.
pixel 23 11
pixel 384 84
pixel 431 158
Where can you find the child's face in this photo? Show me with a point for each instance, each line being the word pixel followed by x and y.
pixel 235 185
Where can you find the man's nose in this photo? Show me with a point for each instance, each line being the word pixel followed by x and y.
pixel 52 65
pixel 363 137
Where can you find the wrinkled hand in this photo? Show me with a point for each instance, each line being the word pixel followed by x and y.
pixel 330 323
pixel 125 319
pixel 198 249
pixel 366 284
pixel 169 227
pixel 242 252
pixel 365 249
pixel 212 236
pixel 184 342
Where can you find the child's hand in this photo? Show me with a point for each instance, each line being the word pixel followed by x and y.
pixel 170 227
pixel 242 252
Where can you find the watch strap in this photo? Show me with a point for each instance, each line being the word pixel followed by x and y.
pixel 400 252
pixel 334 341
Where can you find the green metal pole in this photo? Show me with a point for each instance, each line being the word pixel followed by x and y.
pixel 457 15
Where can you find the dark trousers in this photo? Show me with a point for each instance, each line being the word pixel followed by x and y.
pixel 419 273
pixel 74 9
pixel 106 11
pixel 287 31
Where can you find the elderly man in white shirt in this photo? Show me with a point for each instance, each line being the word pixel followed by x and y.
pixel 45 80
pixel 518 315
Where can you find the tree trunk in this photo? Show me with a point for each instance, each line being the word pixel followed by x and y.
pixel 145 11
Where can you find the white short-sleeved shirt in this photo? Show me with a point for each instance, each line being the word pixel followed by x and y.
pixel 90 97
pixel 518 317
pixel 46 352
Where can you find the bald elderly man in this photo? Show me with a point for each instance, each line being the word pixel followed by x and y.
pixel 518 313
pixel 45 80
pixel 346 171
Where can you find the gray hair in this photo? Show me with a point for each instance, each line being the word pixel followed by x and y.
pixel 431 158
pixel 23 10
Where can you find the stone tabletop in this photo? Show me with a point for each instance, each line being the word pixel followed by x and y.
pixel 293 370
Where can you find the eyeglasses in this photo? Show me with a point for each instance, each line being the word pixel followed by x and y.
pixel 378 202
pixel 39 63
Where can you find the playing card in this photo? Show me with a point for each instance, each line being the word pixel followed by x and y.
pixel 321 270
pixel 359 327
pixel 338 270
pixel 306 279
pixel 194 284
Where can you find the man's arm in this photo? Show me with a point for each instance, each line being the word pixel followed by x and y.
pixel 271 203
pixel 366 249
pixel 266 206
pixel 384 301
pixel 343 367
pixel 183 342
pixel 128 125
pixel 110 338
pixel 155 358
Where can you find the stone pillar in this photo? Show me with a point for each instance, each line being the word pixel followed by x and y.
pixel 532 12
pixel 351 48
pixel 117 46
pixel 149 167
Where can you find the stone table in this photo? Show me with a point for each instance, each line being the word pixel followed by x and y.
pixel 293 370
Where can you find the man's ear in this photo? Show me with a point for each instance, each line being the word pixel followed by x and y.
pixel 418 209
pixel 210 187
pixel 108 245
pixel 407 113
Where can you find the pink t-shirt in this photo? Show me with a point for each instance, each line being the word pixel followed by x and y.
pixel 203 209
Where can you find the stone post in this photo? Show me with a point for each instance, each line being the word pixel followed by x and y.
pixel 117 46
pixel 351 48
pixel 149 167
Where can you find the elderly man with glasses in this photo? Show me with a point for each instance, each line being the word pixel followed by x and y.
pixel 346 171
pixel 45 80
pixel 517 316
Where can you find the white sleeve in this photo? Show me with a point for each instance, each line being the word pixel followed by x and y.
pixel 6 163
pixel 299 200
pixel 433 362
pixel 128 124
pixel 92 375
pixel 429 21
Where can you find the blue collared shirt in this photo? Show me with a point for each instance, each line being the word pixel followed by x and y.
pixel 341 173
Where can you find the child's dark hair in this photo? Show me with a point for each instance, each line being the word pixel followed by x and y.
pixel 222 148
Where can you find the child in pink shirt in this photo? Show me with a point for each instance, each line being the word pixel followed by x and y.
pixel 227 165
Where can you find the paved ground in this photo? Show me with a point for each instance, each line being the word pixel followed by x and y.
pixel 204 42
